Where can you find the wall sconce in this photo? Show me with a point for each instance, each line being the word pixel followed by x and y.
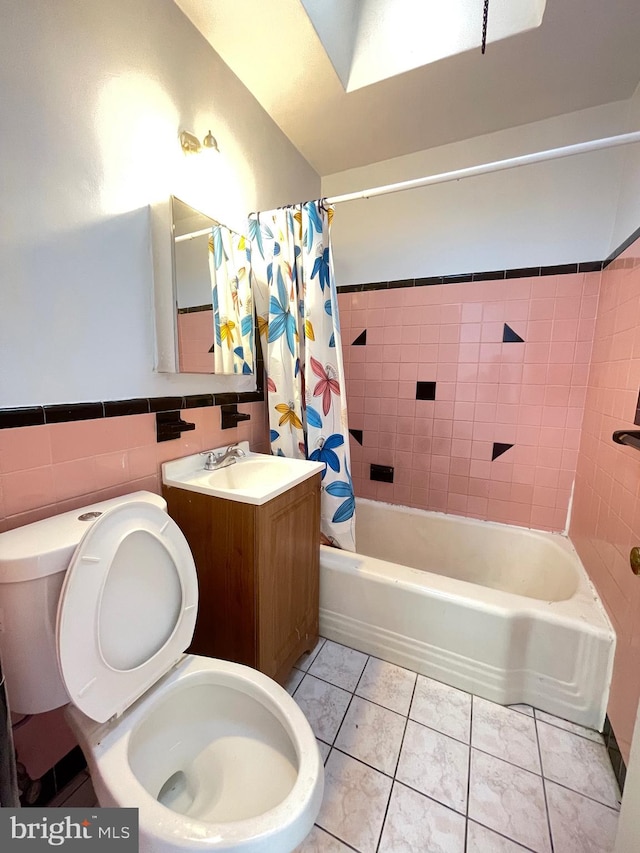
pixel 190 144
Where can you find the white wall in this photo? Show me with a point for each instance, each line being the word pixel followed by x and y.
pixel 628 213
pixel 93 97
pixel 550 213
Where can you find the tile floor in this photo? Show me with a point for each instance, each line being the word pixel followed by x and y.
pixel 414 765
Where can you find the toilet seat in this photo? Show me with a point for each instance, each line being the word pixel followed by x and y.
pixel 127 609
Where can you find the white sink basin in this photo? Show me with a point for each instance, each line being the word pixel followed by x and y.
pixel 253 479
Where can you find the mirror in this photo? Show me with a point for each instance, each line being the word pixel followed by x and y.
pixel 194 320
pixel 214 305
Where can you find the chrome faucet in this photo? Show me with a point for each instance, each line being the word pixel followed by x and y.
pixel 222 460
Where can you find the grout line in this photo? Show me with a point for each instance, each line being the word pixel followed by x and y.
pixel 502 835
pixel 544 785
pixel 337 838
pixel 569 731
pixel 466 823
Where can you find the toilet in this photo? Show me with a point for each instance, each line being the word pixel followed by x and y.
pixel 97 608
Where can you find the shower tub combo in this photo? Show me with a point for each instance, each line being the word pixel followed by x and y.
pixel 503 612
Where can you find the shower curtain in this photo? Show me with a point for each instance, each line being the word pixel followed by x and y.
pixel 229 255
pixel 297 309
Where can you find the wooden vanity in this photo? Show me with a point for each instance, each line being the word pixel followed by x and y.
pixel 258 569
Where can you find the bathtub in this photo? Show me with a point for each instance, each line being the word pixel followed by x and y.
pixel 503 612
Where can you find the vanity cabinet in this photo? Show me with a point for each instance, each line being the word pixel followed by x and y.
pixel 258 574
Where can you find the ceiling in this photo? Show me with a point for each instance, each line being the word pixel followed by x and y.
pixel 585 53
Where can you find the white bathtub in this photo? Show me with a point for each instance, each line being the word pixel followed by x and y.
pixel 503 612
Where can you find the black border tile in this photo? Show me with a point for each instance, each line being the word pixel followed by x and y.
pixel 195 309
pixel 22 417
pixel 457 279
pixel 494 275
pixel 198 401
pixel 118 408
pixel 429 281
pixel 522 272
pixel 621 248
pixel 559 269
pixel 590 266
pixel 378 285
pixel 426 390
pixel 63 413
pixel 226 398
pixel 404 282
pixel 165 404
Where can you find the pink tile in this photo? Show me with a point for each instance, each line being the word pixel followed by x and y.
pixel 77 477
pixel 28 489
pixel 23 448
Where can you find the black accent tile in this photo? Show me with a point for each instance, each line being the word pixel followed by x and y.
pixel 357 434
pixel 117 408
pixel 499 448
pixel 495 275
pixel 165 404
pixel 590 266
pixel 195 309
pixel 169 426
pixel 225 399
pixel 23 417
pixel 361 340
pixel 403 282
pixel 376 285
pixel 620 249
pixel 511 337
pixel 349 288
pixel 68 767
pixel 212 347
pixel 59 414
pixel 425 390
pixel 198 401
pixel 636 420
pixel 429 281
pixel 522 272
pixel 457 279
pixel 559 269
pixel 381 473
pixel 615 756
pixel 251 397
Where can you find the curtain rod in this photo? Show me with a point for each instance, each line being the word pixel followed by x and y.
pixel 193 234
pixel 495 166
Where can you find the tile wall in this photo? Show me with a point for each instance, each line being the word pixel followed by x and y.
pixel 195 339
pixel 52 468
pixel 605 520
pixel 473 392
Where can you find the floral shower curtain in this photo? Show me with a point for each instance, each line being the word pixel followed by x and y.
pixel 229 255
pixel 297 308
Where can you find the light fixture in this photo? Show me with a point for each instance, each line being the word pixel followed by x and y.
pixel 210 142
pixel 190 144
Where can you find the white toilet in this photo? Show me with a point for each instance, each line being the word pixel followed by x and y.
pixel 97 606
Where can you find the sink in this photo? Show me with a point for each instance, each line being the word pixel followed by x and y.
pixel 253 479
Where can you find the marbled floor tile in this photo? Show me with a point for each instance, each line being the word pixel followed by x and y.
pixel 305 661
pixel 483 840
pixel 522 709
pixel 324 748
pixel 434 764
pixel 509 800
pixel 354 803
pixel 416 823
pixel 591 734
pixel 505 734
pixel 319 841
pixel 387 684
pixel 578 825
pixel 441 707
pixel 294 679
pixel 578 763
pixel 372 734
pixel 323 704
pixel 339 665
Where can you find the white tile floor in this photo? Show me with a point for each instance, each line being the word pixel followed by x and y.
pixel 414 765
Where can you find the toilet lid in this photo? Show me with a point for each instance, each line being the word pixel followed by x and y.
pixel 127 608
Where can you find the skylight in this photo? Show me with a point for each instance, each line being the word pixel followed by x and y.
pixel 371 40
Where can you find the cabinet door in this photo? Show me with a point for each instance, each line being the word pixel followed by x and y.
pixel 288 556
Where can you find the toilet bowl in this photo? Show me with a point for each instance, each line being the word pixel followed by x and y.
pixel 214 755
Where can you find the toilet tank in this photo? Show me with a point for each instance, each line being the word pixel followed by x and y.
pixel 33 562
